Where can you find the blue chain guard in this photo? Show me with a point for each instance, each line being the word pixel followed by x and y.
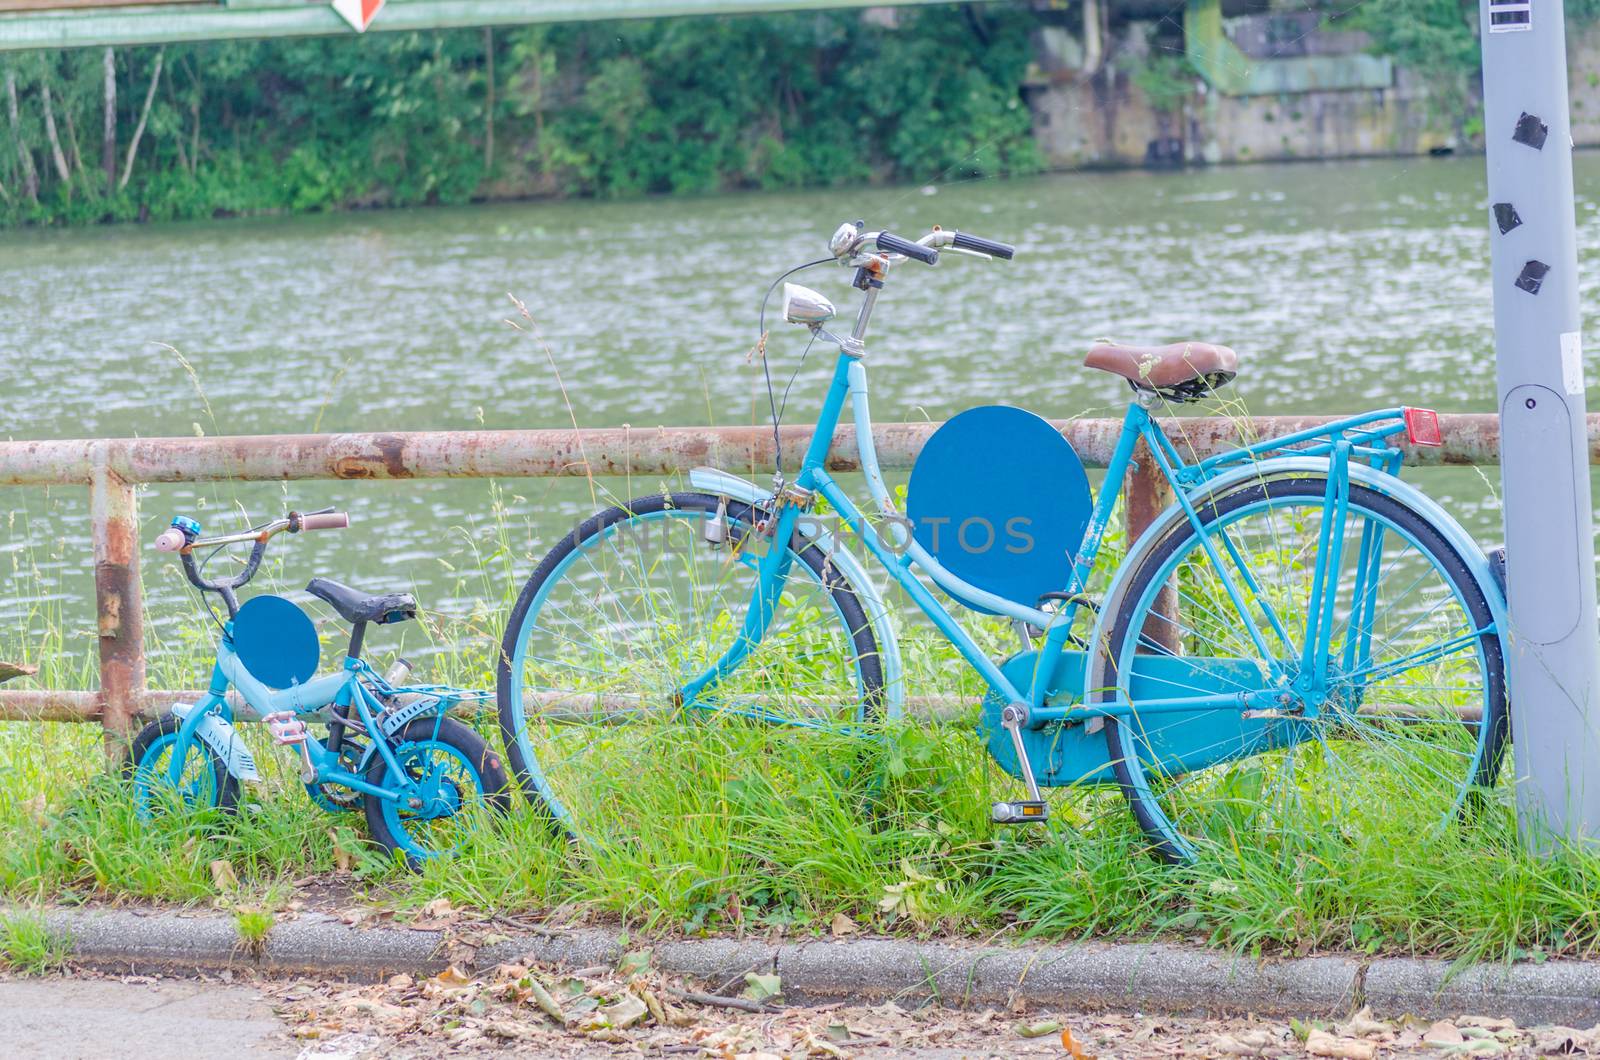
pixel 1185 741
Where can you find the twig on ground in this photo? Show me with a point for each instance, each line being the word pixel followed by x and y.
pixel 734 980
pixel 719 1001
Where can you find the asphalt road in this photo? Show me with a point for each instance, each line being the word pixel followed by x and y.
pixel 90 1016
pixel 92 1019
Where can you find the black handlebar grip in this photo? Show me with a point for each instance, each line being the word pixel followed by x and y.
pixel 893 244
pixel 991 247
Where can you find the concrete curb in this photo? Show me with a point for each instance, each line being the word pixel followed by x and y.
pixel 1151 977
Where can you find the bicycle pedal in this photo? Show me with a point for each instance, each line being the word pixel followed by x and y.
pixel 1023 811
pixel 286 727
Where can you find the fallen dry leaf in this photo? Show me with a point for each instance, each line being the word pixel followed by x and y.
pixel 1071 1046
pixel 1565 1041
pixel 452 976
pixel 1040 1029
pixel 541 997
pixel 1321 1043
pixel 1443 1032
pixel 1362 1025
pixel 223 877
pixel 1249 1043
pixel 760 987
pixel 508 1029
pixel 815 1046
pixel 365 1006
pixel 343 860
pixel 623 1013
pixel 842 925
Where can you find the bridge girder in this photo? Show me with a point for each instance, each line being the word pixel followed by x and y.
pixel 28 24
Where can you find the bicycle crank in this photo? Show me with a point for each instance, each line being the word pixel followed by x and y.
pixel 1033 809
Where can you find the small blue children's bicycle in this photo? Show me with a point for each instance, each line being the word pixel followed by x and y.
pixel 1300 644
pixel 420 776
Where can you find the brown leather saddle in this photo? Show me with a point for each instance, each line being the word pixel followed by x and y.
pixel 1179 371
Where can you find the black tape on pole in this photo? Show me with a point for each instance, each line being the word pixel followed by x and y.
pixel 1506 217
pixel 1532 277
pixel 1531 131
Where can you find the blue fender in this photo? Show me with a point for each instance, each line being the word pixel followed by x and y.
pixel 217 733
pixel 723 484
pixel 1280 467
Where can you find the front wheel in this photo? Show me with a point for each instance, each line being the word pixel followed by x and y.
pixel 203 779
pixel 1395 719
pixel 635 604
pixel 454 777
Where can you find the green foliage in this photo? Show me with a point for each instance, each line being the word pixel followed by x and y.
pixel 1435 39
pixel 1167 79
pixel 612 109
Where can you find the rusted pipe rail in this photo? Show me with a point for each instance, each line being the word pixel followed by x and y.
pixel 1469 439
pixel 113 468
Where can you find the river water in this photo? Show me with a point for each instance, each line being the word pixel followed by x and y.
pixel 1343 286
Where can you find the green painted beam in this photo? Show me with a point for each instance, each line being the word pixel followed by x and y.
pixel 1233 73
pixel 248 19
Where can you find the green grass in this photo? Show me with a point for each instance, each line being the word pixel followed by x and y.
pixel 252 925
pixel 27 947
pixel 749 830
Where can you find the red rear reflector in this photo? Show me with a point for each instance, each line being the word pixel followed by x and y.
pixel 1422 427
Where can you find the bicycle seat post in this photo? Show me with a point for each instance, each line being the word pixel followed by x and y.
pixel 358 634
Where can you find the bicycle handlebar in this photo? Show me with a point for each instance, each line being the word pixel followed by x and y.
pixel 184 537
pixel 322 521
pixel 890 243
pixel 993 248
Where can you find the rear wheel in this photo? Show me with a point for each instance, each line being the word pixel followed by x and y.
pixel 457 778
pixel 1407 728
pixel 640 600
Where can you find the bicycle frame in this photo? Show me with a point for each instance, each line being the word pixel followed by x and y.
pixel 347 689
pixel 1331 449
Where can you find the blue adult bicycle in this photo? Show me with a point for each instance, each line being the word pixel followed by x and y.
pixel 1300 641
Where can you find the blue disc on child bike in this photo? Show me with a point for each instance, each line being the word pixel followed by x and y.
pixel 1000 499
pixel 276 641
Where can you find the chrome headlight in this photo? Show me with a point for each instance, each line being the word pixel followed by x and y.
pixel 802 305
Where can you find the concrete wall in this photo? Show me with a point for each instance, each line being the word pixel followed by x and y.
pixel 1104 119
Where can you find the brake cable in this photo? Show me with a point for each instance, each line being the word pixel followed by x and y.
pixel 766 369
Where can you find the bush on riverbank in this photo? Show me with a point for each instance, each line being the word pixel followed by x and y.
pixel 624 108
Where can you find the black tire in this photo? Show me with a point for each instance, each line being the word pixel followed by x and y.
pixel 141 775
pixel 1471 594
pixel 740 517
pixel 473 751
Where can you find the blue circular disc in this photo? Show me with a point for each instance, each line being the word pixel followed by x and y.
pixel 276 641
pixel 1001 500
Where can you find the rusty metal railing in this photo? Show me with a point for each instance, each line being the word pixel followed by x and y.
pixel 112 469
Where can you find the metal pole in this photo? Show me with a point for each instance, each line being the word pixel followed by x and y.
pixel 1550 573
pixel 1148 493
pixel 114 510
